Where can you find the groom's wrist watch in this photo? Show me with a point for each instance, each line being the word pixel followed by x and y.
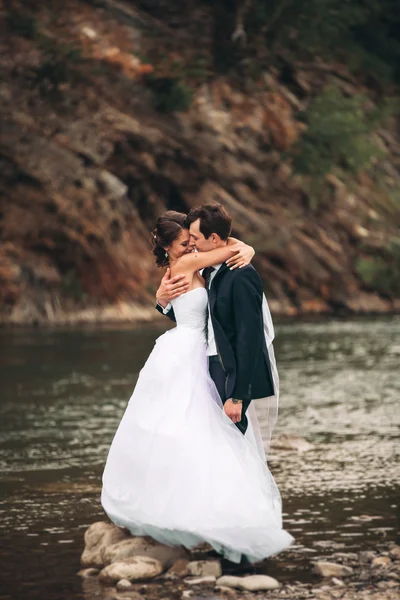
pixel 236 401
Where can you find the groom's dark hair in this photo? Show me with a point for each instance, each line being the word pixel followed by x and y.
pixel 213 219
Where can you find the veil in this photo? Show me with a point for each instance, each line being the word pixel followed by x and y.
pixel 269 405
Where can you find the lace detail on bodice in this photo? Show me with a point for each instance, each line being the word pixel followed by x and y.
pixel 190 309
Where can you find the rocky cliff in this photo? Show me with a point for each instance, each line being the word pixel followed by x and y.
pixel 88 160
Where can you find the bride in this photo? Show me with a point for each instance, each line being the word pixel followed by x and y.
pixel 178 469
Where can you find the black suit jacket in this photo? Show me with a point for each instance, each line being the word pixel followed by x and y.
pixel 235 299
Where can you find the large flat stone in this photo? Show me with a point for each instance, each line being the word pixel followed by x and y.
pixel 133 569
pixel 142 546
pixel 250 583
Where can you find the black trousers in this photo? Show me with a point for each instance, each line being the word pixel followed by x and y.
pixel 218 375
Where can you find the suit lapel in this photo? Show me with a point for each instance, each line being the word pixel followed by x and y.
pixel 212 292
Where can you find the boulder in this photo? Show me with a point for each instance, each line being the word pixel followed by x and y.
pixel 97 537
pixel 330 569
pixel 143 546
pixel 204 568
pixel 250 583
pixel 133 569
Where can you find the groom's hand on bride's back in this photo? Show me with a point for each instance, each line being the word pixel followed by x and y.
pixel 171 287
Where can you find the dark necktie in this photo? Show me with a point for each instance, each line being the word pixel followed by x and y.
pixel 206 276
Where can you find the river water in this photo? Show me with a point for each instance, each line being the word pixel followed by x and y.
pixel 63 393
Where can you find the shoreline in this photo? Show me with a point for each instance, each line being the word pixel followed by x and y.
pixel 132 314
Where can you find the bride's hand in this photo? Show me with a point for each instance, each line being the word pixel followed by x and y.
pixel 242 255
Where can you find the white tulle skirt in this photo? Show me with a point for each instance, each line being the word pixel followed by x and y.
pixel 180 471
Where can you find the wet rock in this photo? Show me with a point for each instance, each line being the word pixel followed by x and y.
pixel 381 561
pixel 330 569
pixel 124 585
pixel 346 556
pixel 90 572
pixel 395 553
pixel 142 546
pixel 250 583
pixel 178 569
pixel 291 442
pixel 204 568
pixel 97 537
pixel 186 594
pixel 133 569
pixel 389 584
pixel 367 556
pixel 338 582
pixel 201 580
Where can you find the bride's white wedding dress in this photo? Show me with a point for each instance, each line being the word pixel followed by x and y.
pixel 178 469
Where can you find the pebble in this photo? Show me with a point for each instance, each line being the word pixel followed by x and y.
pixel 383 585
pixel 351 556
pixel 330 569
pixel 338 582
pixel 367 556
pixel 250 583
pixel 91 572
pixel 395 552
pixel 205 568
pixel 381 561
pixel 124 584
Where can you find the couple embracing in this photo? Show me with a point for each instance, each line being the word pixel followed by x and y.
pixel 187 463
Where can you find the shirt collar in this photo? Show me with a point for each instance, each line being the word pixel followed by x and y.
pixel 217 266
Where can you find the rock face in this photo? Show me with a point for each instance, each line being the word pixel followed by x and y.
pixel 87 165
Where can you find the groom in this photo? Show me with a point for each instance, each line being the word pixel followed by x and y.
pixel 237 353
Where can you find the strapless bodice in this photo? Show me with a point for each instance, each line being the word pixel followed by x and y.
pixel 191 308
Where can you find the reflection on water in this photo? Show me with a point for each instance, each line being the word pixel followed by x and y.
pixel 64 392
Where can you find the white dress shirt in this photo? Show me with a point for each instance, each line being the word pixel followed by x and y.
pixel 211 346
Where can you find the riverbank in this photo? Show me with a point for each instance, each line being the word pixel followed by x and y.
pixel 131 314
pixel 118 565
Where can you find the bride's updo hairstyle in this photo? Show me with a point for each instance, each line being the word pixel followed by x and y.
pixel 168 228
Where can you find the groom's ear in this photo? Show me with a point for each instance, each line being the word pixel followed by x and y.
pixel 215 238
